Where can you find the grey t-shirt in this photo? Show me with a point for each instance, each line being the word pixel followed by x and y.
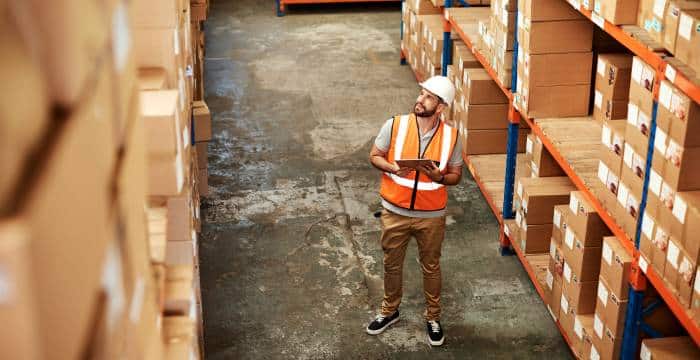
pixel 383 141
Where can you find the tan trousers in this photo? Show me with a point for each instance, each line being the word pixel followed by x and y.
pixel 429 233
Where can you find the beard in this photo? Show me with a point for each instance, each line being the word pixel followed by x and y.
pixel 425 112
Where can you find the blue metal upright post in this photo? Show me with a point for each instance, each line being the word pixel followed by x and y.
pixel 280 12
pixel 512 148
pixel 634 322
pixel 446 43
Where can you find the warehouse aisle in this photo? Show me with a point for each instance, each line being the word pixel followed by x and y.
pixel 290 259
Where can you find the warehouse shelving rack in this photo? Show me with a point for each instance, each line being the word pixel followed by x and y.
pixel 282 4
pixel 641 273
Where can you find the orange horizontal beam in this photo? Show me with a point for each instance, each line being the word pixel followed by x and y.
pixel 482 187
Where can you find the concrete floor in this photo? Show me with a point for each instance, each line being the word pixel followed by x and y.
pixel 290 258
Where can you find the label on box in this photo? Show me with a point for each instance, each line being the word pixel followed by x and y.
pixel 528 146
pixel 637 70
pixel 596 6
pixel 679 209
pixel 551 313
pixel 586 4
pixel 685 26
pixel 603 294
pixel 578 328
pixel 606 136
pixel 525 205
pixel 655 182
pixel 696 287
pixel 569 238
pixel 607 253
pixel 648 225
pixel 522 245
pixel 7 287
pixel 567 272
pixel 601 67
pixel 598 326
pixel 644 353
pixel 665 94
pixel 660 141
pixel 602 172
pixel 553 250
pixel 672 254
pixel 632 114
pixel 564 304
pixel 629 155
pixel 506 231
pixel 179 172
pixel 594 351
pixel 137 300
pixel 550 280
pixel 573 203
pixel 113 285
pixel 186 136
pixel 670 73
pixel 557 218
pixel 622 194
pixel 504 18
pixel 121 37
pixel 518 219
pixel 598 99
pixel 659 7
pixel 643 264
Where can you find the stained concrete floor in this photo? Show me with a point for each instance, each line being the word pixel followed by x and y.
pixel 291 264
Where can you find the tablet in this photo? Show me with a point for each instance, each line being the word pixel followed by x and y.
pixel 414 163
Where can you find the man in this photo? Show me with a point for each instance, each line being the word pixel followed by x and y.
pixel 414 200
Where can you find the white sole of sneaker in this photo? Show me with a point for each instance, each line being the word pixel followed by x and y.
pixel 379 331
pixel 436 343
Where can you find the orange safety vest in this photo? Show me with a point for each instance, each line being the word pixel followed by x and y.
pixel 416 191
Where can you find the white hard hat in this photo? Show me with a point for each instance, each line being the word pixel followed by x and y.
pixel 440 86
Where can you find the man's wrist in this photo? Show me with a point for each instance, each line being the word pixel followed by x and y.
pixel 442 179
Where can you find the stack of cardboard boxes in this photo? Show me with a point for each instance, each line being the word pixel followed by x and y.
pixel 681 347
pixel 415 15
pixel 612 82
pixel 540 163
pixel 554 59
pixel 535 199
pixel 501 36
pixel 671 215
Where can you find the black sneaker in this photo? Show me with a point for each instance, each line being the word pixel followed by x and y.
pixel 435 335
pixel 380 323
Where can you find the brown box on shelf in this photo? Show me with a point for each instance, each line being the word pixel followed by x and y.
pixel 159 47
pixel 559 225
pixel 613 75
pixel 679 348
pixel 481 89
pixel 613 140
pixel 642 85
pixel 583 329
pixel 162 119
pixel 180 253
pixel 423 7
pixel 688 40
pixel 151 78
pixel 672 21
pixel 540 195
pixel 554 301
pixel 555 69
pixel 548 37
pixel 605 108
pixel 547 10
pixel 535 238
pixel 485 117
pixel 618 12
pixel 553 101
pixel 583 262
pixel 684 220
pixel 678 115
pixel 179 290
pixel 566 316
pixel 585 222
pixel 203 183
pixel 615 267
pixel 180 214
pixel 610 309
pixel 581 296
pixel 686 277
pixel 494 141
pixel 166 175
pixel 695 297
pixel 542 162
pixel 202 121
pixel 658 249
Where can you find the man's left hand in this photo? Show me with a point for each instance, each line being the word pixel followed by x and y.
pixel 431 170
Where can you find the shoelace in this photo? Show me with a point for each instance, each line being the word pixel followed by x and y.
pixel 435 327
pixel 379 318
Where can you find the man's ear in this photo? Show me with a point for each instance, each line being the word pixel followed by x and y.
pixel 441 108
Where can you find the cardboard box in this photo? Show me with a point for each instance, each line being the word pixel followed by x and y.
pixel 615 267
pixel 166 175
pixel 180 214
pixel 660 242
pixel 685 222
pixel 422 7
pixel 179 290
pixel 610 309
pixel 69 215
pixel 181 253
pixel 549 37
pixel 618 12
pixel 585 222
pixel 613 140
pixel 554 302
pixel 485 117
pixel 642 85
pixel 686 277
pixel 540 195
pixel 581 296
pixel 688 41
pixel 542 163
pixel 678 115
pixel 202 121
pixel 605 108
pixel 162 119
pixel 583 262
pixel 583 329
pixel 203 182
pixel 669 348
pixel 559 224
pixel 553 101
pixel 555 69
pixel 695 299
pixel 535 239
pixel 158 14
pixel 479 142
pixel 604 343
pixel 547 10
pixel 672 22
pixel 481 89
pixel 613 75
pixel 160 47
